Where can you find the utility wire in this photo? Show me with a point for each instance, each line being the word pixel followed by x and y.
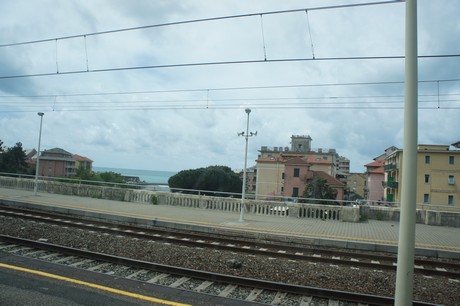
pixel 216 89
pixel 204 107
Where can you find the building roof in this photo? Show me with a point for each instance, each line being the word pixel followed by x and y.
pixel 81 158
pixel 296 161
pixel 374 164
pixel 330 180
pixel 30 153
pixel 311 159
pixel 57 151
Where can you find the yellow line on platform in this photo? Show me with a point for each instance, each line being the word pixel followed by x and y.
pixel 96 286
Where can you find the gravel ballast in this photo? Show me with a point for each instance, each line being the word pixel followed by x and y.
pixel 427 289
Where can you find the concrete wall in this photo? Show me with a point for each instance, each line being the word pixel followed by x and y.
pixel 423 216
pixel 281 209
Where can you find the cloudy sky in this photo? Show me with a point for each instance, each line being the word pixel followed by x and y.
pixel 173 97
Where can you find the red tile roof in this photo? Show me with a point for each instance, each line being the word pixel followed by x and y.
pixel 376 163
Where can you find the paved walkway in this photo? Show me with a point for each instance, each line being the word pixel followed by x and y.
pixel 372 231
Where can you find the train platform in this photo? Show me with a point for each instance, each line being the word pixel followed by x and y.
pixel 369 235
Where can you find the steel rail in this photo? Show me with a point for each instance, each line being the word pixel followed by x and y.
pixel 236 245
pixel 216 277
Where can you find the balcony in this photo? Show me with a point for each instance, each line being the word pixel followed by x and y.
pixel 392 185
pixel 389 167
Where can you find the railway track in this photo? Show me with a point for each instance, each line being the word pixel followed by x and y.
pixel 373 261
pixel 247 289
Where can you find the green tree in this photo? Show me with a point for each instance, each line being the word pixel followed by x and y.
pixel 13 160
pixel 210 180
pixel 316 190
pixel 112 177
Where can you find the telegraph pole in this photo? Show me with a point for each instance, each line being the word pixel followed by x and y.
pixel 406 244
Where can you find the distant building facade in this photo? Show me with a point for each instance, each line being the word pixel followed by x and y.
pixel 251 178
pixel 438 175
pixel 374 180
pixel 283 171
pixel 82 162
pixel 58 162
pixel 356 185
pixel 375 177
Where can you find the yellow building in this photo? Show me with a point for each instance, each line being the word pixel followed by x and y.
pixel 356 184
pixel 270 177
pixel 438 175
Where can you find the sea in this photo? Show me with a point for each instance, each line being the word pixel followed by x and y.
pixel 148 176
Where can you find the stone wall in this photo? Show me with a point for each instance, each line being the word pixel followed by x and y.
pixel 423 215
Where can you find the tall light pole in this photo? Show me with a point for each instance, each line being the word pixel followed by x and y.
pixel 246 135
pixel 38 153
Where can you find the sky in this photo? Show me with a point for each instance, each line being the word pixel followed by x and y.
pixel 171 95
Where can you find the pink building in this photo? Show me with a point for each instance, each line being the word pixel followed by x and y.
pixel 297 171
pixel 375 177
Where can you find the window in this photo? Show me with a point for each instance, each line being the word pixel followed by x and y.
pixel 282 189
pixel 451 180
pixel 426 198
pixel 295 191
pixel 296 172
pixel 427 178
pixel 282 176
pixel 427 159
pixel 450 199
pixel 451 160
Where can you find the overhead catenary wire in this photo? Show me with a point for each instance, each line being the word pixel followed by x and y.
pixel 200 20
pixel 236 62
pixel 196 64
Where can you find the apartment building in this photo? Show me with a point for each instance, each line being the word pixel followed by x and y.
pixel 438 175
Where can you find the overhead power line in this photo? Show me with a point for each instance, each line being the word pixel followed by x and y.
pixel 216 89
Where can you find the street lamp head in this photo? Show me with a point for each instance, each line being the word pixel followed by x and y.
pixel 247 110
pixel 40 114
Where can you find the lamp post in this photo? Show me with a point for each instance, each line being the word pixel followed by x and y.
pixel 246 136
pixel 38 153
